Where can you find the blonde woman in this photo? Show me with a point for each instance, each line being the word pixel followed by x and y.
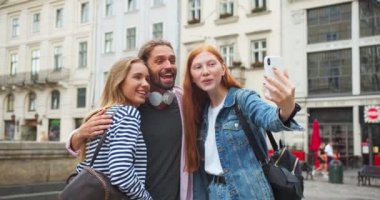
pixel 122 156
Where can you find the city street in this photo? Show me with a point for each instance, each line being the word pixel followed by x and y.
pixel 321 189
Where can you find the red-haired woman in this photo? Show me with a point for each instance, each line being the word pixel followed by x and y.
pixel 217 150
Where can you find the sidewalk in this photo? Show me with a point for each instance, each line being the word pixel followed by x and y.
pixel 320 188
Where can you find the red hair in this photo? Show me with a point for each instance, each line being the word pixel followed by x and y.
pixel 194 101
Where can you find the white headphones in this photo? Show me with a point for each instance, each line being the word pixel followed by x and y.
pixel 156 98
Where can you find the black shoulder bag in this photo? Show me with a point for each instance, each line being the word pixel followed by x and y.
pixel 91 184
pixel 282 171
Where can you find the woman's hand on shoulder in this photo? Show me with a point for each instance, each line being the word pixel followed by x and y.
pixel 282 92
pixel 95 125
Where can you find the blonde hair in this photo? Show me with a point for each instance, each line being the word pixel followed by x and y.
pixel 112 92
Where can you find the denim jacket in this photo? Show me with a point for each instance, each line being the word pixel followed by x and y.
pixel 244 176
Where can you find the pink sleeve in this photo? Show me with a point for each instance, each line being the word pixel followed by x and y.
pixel 68 144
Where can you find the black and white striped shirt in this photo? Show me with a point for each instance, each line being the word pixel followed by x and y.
pixel 123 156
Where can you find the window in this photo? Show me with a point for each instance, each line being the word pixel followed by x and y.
pixel 55 97
pixel 78 122
pixel 59 18
pixel 35 62
pixel 158 2
pixel 130 5
pixel 329 23
pixel 14 64
pixel 194 11
pixel 36 23
pixel 32 101
pixel 369 18
pixel 258 52
pixel 81 97
pixel 338 128
pixel 15 27
pixel 329 73
pixel 131 38
pixel 57 58
pixel 82 55
pixel 228 54
pixel 258 5
pixel 10 102
pixel 157 31
pixel 54 129
pixel 105 76
pixel 109 8
pixel 108 42
pixel 84 10
pixel 9 129
pixel 226 8
pixel 370 69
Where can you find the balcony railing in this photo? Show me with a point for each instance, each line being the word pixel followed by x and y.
pixel 27 78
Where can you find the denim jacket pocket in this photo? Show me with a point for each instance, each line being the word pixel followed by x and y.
pixel 234 133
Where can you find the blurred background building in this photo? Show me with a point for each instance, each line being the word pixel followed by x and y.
pixel 55 55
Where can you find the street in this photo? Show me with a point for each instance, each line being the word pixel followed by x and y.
pixel 320 188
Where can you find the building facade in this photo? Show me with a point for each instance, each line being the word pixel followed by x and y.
pixel 55 56
pixel 57 60
pixel 335 46
pixel 46 68
pixel 244 32
pixel 331 50
pixel 124 26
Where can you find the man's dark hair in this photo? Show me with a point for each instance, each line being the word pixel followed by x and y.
pixel 145 50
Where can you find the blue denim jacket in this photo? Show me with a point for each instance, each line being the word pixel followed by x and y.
pixel 242 171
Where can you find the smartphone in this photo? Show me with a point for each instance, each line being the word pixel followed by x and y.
pixel 270 62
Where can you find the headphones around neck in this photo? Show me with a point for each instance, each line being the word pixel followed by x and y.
pixel 156 98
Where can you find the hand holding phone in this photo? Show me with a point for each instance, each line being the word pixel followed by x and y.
pixel 277 86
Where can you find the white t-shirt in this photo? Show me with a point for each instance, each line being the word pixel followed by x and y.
pixel 212 161
pixel 329 150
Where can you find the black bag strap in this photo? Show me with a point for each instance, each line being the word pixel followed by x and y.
pixel 100 143
pixel 257 149
pixel 98 148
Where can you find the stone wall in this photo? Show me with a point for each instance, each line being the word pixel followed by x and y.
pixel 34 162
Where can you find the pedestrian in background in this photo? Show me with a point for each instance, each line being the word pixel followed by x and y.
pixel 329 152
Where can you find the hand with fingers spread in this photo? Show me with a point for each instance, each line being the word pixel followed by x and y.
pixel 95 125
pixel 281 92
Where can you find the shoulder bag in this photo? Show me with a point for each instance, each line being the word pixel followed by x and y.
pixel 91 184
pixel 282 170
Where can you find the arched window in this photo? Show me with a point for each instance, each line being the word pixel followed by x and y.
pixel 10 102
pixel 55 97
pixel 32 101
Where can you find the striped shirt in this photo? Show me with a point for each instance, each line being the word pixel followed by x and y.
pixel 123 156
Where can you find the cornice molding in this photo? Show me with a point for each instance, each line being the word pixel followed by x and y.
pixel 8 3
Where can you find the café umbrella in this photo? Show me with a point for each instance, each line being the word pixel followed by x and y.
pixel 315 142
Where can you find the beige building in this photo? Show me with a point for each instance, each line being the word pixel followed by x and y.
pixel 46 67
pixel 245 32
pixel 123 26
pixel 331 49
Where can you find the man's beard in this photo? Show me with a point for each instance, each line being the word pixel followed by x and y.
pixel 157 84
pixel 156 80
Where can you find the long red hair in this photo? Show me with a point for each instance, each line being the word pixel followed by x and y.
pixel 194 100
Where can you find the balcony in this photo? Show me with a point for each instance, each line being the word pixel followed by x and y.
pixel 26 79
